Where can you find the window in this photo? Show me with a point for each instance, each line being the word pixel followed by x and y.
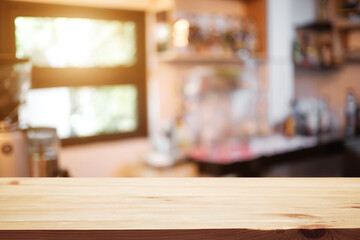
pixel 82 111
pixel 75 42
pixel 88 68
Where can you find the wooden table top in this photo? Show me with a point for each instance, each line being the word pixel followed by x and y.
pixel 179 203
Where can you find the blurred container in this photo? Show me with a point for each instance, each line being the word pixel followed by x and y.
pixel 13 158
pixel 221 106
pixel 350 114
pixel 15 80
pixel 312 116
pixel 43 148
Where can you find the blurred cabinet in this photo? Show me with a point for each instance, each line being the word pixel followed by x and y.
pixel 348 24
pixel 211 31
pixel 202 38
pixel 318 46
pixel 212 34
pixel 332 39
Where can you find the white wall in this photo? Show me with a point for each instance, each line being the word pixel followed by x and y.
pixel 283 17
pixel 105 159
pixel 281 72
pixel 302 11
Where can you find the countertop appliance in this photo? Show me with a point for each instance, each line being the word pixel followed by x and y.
pixel 15 80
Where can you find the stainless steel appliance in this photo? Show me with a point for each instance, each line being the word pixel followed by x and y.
pixel 15 80
pixel 43 147
pixel 31 152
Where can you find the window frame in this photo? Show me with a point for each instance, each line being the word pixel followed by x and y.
pixel 47 77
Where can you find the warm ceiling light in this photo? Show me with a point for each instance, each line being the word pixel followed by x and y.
pixel 181 33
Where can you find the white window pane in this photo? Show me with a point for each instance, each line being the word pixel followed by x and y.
pixel 82 111
pixel 48 108
pixel 105 109
pixel 75 42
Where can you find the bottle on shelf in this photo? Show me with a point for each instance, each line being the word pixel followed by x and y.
pixel 214 34
pixel 290 126
pixel 251 35
pixel 324 116
pixel 350 114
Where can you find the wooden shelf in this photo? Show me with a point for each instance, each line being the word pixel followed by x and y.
pixel 339 28
pixel 254 9
pixel 317 69
pixel 199 58
pixel 346 24
pixel 353 56
pixel 191 208
pixel 340 24
pixel 349 10
pixel 203 58
pixel 317 26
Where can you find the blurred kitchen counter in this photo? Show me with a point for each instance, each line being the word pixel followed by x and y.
pixel 259 147
pixel 124 158
pixel 263 153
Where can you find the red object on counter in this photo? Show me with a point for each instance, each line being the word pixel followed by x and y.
pixel 222 155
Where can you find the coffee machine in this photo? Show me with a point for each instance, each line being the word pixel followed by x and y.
pixel 15 81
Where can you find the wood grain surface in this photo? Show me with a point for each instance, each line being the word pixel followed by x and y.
pixel 197 208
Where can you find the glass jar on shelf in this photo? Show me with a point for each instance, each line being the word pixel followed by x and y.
pixel 222 112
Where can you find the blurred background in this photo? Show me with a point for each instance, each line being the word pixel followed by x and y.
pixel 180 88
